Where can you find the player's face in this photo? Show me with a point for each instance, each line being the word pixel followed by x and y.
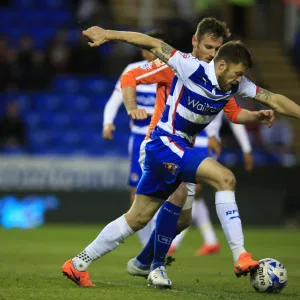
pixel 207 47
pixel 230 75
pixel 148 55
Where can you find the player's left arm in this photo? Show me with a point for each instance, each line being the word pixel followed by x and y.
pixel 239 115
pixel 99 36
pixel 278 103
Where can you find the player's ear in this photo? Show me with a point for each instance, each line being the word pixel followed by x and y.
pixel 194 41
pixel 222 65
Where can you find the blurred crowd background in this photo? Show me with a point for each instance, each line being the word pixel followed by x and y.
pixel 54 87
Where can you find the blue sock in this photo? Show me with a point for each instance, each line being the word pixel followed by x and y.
pixel 144 259
pixel 166 224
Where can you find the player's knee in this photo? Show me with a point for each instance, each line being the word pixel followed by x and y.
pixel 227 181
pixel 137 221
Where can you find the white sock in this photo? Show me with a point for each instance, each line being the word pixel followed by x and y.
pixel 179 237
pixel 144 233
pixel 229 217
pixel 200 216
pixel 109 238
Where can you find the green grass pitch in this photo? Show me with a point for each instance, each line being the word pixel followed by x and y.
pixel 31 262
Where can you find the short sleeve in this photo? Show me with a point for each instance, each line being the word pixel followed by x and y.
pixel 247 88
pixel 118 84
pixel 184 64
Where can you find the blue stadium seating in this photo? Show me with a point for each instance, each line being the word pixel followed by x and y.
pixel 47 102
pixel 66 84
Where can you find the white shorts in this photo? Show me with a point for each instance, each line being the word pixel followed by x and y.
pixel 190 186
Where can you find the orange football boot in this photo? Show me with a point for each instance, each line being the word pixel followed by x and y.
pixel 245 264
pixel 172 250
pixel 208 249
pixel 80 278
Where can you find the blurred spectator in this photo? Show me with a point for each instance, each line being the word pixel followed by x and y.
pixel 279 140
pixel 180 32
pixel 208 8
pixel 58 54
pixel 95 12
pixel 4 65
pixel 26 47
pixel 15 70
pixel 296 50
pixel 12 129
pixel 241 18
pixel 40 75
pixel 24 61
pixel 4 2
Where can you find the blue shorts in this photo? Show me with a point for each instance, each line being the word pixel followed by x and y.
pixel 134 154
pixel 165 169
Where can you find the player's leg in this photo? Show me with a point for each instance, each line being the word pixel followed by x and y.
pixel 167 166
pixel 201 218
pixel 185 219
pixel 211 172
pixel 146 257
pixel 139 265
pixel 141 211
pixel 134 177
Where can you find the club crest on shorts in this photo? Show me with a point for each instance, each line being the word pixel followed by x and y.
pixel 173 168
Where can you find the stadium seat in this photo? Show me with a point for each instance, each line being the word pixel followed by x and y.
pixel 7 17
pixel 87 121
pixel 79 103
pixel 40 138
pixel 66 84
pixel 24 3
pixel 54 4
pixel 96 85
pixel 67 138
pixel 33 120
pixel 47 102
pixel 56 120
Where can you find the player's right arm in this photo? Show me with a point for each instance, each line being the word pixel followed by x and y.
pixel 99 36
pixel 184 64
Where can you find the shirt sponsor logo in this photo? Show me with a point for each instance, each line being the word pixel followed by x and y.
pixel 196 104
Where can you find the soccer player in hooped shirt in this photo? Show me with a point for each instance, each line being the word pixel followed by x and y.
pixel 198 93
pixel 145 97
pixel 209 36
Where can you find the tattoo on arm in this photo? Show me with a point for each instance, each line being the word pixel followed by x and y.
pixel 163 52
pixel 264 95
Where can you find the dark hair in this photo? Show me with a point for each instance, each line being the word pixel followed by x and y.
pixel 234 52
pixel 213 27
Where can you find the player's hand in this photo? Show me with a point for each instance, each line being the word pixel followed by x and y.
pixel 248 161
pixel 139 114
pixel 214 146
pixel 107 132
pixel 266 117
pixel 96 34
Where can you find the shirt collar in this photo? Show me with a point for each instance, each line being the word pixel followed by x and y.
pixel 212 74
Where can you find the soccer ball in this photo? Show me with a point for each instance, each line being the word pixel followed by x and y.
pixel 270 277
